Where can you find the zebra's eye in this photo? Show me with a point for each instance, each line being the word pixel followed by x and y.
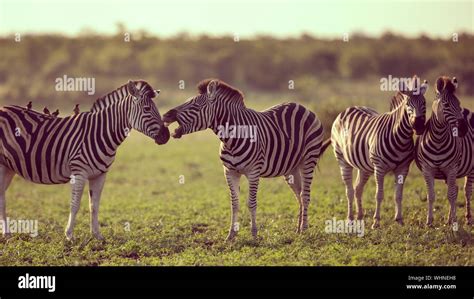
pixel 147 108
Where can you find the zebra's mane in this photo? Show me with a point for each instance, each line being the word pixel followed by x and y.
pixel 397 99
pixel 468 116
pixel 109 98
pixel 232 91
pixel 120 93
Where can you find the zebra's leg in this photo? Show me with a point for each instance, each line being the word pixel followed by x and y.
pixel 429 181
pixel 77 187
pixel 294 181
pixel 307 177
pixel 362 178
pixel 452 195
pixel 253 179
pixel 6 176
pixel 95 190
pixel 400 176
pixel 233 181
pixel 468 194
pixel 379 179
pixel 346 174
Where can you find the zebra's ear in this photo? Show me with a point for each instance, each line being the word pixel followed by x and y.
pixel 439 85
pixel 212 89
pixel 455 82
pixel 424 87
pixel 132 89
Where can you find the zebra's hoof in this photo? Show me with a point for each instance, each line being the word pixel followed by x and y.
pixel 303 228
pixel 231 236
pixel 399 221
pixel 376 224
pixel 7 236
pixel 450 222
pixel 429 223
pixel 254 233
pixel 98 236
pixel 360 216
pixel 69 236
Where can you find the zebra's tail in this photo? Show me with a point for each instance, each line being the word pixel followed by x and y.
pixel 324 146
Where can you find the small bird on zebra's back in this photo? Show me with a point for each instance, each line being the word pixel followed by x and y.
pixel 75 149
pixel 55 113
pixel 284 140
pixel 29 105
pixel 378 144
pixel 46 111
pixel 445 151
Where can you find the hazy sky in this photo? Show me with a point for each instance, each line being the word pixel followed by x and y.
pixel 243 17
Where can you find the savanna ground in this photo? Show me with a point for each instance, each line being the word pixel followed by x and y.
pixel 149 218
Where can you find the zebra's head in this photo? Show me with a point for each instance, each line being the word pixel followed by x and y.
pixel 197 113
pixel 447 107
pixel 415 105
pixel 144 115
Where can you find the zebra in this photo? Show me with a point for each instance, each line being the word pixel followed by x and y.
pixel 446 149
pixel 76 148
pixel 378 144
pixel 288 142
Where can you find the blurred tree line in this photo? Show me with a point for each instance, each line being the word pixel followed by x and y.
pixel 28 68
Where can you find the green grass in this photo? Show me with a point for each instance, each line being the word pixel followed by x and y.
pixel 186 224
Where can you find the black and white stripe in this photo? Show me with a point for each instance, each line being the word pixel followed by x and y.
pixel 445 150
pixel 54 150
pixel 289 143
pixel 378 144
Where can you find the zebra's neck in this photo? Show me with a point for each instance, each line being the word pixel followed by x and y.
pixel 110 125
pixel 437 129
pixel 401 124
pixel 115 96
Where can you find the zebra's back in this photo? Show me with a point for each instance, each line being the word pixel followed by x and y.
pixel 287 134
pixel 37 146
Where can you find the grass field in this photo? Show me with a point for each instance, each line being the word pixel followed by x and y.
pixel 149 218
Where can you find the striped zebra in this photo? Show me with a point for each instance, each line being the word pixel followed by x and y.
pixel 54 150
pixel 378 144
pixel 446 149
pixel 287 141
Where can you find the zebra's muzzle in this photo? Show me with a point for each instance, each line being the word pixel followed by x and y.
pixel 419 125
pixel 163 136
pixel 169 118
